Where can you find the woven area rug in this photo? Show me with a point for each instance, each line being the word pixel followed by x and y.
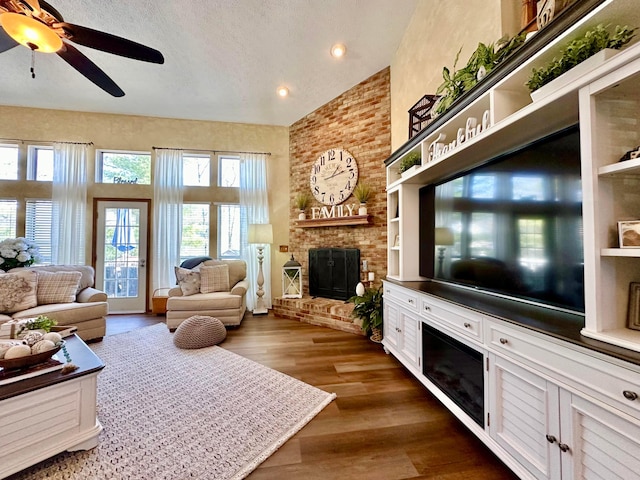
pixel 175 414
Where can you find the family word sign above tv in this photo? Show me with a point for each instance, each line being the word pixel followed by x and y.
pixel 438 148
pixel 336 211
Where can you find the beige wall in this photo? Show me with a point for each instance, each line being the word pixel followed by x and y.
pixel 124 132
pixel 438 29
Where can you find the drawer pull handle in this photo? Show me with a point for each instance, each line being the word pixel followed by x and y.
pixel 629 395
pixel 551 439
pixel 467 325
pixel 427 308
pixel 504 341
pixel 411 301
pixel 564 447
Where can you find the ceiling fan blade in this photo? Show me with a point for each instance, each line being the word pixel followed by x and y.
pixel 86 67
pixel 33 4
pixel 110 43
pixel 6 42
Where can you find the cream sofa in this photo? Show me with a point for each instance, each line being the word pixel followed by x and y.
pixel 87 311
pixel 227 306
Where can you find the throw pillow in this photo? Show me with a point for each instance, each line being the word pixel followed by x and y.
pixel 18 291
pixel 57 287
pixel 214 279
pixel 188 280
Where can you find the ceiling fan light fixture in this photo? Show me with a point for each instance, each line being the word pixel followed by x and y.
pixel 30 32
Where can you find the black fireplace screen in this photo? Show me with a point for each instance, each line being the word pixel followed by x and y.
pixel 334 272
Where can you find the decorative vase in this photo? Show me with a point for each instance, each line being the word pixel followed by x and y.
pixel 575 73
pixel 362 210
pixel 376 335
pixel 302 215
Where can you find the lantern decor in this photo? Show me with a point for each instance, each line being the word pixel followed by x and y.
pixel 292 279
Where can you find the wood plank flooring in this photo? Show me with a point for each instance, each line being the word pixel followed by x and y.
pixel 384 425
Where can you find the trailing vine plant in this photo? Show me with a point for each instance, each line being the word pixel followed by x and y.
pixel 482 61
pixel 578 50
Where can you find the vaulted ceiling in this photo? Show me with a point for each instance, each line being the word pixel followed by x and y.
pixel 224 59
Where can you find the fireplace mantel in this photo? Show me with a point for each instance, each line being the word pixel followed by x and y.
pixel 336 221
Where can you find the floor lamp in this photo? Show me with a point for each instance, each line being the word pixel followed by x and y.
pixel 260 234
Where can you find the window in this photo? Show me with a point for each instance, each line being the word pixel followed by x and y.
pixel 123 167
pixel 228 231
pixel 8 211
pixel 196 171
pixel 40 164
pixel 228 172
pixel 195 230
pixel 38 226
pixel 8 162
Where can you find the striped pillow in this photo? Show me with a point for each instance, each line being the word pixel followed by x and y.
pixel 57 287
pixel 214 279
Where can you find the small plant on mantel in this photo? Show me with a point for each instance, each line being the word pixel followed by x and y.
pixel 578 50
pixel 301 202
pixel 362 192
pixel 409 161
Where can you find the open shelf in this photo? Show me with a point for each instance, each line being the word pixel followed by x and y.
pixel 336 222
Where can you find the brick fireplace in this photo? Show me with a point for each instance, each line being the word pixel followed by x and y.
pixel 358 121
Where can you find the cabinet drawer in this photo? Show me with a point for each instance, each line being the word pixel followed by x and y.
pixel 402 296
pixel 459 319
pixel 610 383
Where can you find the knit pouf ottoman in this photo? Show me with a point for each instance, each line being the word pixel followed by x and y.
pixel 199 331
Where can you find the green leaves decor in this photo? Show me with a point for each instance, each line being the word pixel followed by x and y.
pixel 409 161
pixel 368 308
pixel 482 62
pixel 578 50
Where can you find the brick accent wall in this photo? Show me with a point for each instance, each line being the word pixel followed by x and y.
pixel 359 121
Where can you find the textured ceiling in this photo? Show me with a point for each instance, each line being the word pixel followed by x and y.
pixel 224 59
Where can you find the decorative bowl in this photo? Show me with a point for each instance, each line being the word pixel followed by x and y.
pixel 29 360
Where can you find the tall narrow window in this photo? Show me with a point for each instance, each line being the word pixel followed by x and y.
pixel 123 167
pixel 196 171
pixel 195 230
pixel 228 231
pixel 8 211
pixel 8 162
pixel 38 226
pixel 228 172
pixel 40 164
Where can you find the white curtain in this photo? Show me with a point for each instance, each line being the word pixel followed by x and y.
pixel 254 208
pixel 167 216
pixel 69 204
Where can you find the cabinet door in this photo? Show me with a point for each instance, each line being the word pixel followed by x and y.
pixel 596 442
pixel 391 321
pixel 524 418
pixel 409 340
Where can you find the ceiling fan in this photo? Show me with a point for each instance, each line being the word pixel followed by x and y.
pixel 40 27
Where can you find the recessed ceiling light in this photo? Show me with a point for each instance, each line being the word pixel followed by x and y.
pixel 338 50
pixel 283 91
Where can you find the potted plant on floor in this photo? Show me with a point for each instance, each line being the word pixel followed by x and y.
pixel 368 309
pixel 362 193
pixel 301 202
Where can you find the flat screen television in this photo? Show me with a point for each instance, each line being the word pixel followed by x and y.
pixel 512 226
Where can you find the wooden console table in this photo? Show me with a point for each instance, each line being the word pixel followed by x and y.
pixel 48 414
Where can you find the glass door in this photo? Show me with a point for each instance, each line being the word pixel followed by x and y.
pixel 121 254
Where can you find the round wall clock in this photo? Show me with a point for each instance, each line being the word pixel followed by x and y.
pixel 333 176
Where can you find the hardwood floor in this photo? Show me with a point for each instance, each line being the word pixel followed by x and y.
pixel 384 425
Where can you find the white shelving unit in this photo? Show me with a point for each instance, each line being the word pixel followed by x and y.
pixel 610 122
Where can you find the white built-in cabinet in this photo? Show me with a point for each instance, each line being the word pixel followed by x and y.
pixel 554 409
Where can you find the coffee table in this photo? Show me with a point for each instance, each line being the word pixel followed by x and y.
pixel 50 413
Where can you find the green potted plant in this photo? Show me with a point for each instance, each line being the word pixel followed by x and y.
pixel 368 309
pixel 362 193
pixel 594 40
pixel 301 202
pixel 482 61
pixel 41 323
pixel 409 161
